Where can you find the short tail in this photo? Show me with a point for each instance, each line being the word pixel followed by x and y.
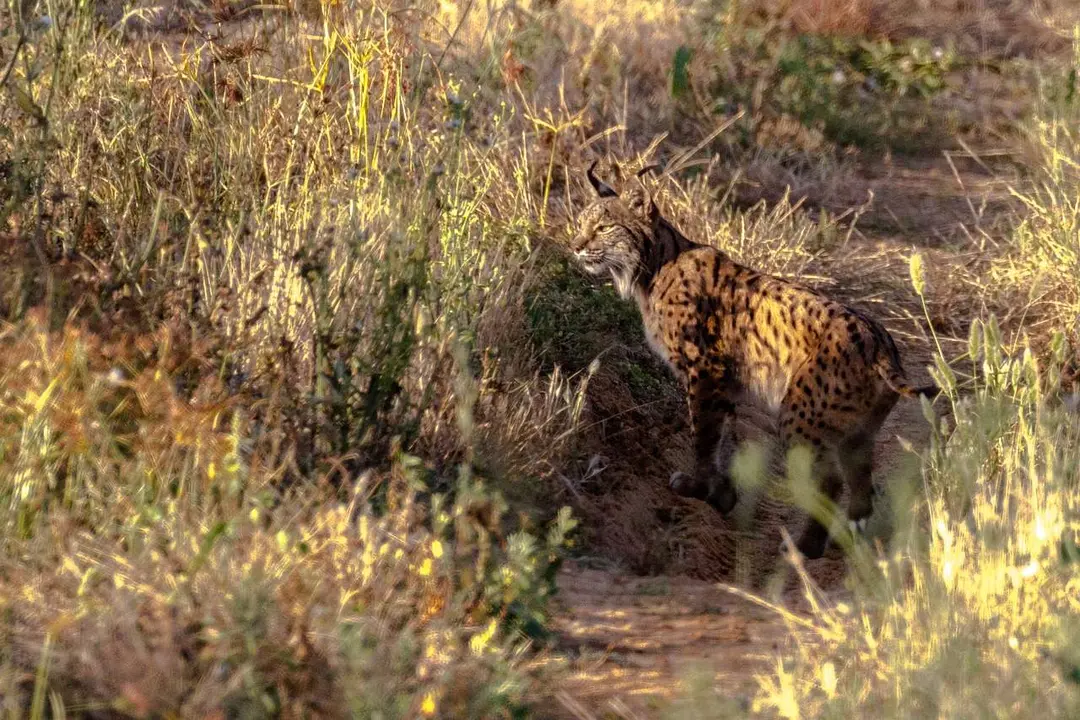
pixel 890 368
pixel 898 384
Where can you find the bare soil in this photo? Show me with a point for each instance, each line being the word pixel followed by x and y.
pixel 634 640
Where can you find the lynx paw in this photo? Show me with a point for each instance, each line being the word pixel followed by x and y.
pixel 688 486
pixel 858 527
pixel 813 542
pixel 724 499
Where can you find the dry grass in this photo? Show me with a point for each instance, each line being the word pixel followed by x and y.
pixel 972 610
pixel 294 380
pixel 152 564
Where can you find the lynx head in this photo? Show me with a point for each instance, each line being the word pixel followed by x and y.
pixel 614 231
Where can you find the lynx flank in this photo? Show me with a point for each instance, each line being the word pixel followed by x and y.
pixel 828 374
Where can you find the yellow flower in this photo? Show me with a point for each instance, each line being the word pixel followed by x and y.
pixel 425 567
pixel 428 706
pixel 479 641
pixel 436 548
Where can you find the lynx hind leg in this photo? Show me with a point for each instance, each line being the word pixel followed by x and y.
pixel 722 492
pixel 856 457
pixel 711 482
pixel 689 486
pixel 857 467
pixel 835 406
pixel 800 426
pixel 712 419
pixel 815 538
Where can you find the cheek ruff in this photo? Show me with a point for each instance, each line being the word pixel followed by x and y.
pixel 591 260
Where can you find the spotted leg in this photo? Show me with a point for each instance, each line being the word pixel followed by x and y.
pixel 712 419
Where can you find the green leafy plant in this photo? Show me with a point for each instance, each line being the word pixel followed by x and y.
pixel 868 93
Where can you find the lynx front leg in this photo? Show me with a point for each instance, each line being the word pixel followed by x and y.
pixel 712 419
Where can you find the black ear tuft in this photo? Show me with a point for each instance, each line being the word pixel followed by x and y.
pixel 646 170
pixel 602 189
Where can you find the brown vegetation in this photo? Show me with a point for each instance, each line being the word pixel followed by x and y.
pixel 295 377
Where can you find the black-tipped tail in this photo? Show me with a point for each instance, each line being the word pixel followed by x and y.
pixel 898 384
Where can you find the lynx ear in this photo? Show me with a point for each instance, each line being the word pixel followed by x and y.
pixel 640 201
pixel 602 189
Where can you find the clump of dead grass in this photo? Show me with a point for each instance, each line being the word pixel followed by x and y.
pixel 1043 260
pixel 1000 28
pixel 152 564
pixel 1033 271
pixel 269 283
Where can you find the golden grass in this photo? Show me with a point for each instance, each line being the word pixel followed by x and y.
pixel 971 611
pixel 152 566
pixel 266 372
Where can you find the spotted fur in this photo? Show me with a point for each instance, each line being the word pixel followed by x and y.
pixel 826 372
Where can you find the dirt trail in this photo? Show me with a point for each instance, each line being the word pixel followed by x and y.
pixel 633 640
pixel 636 639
